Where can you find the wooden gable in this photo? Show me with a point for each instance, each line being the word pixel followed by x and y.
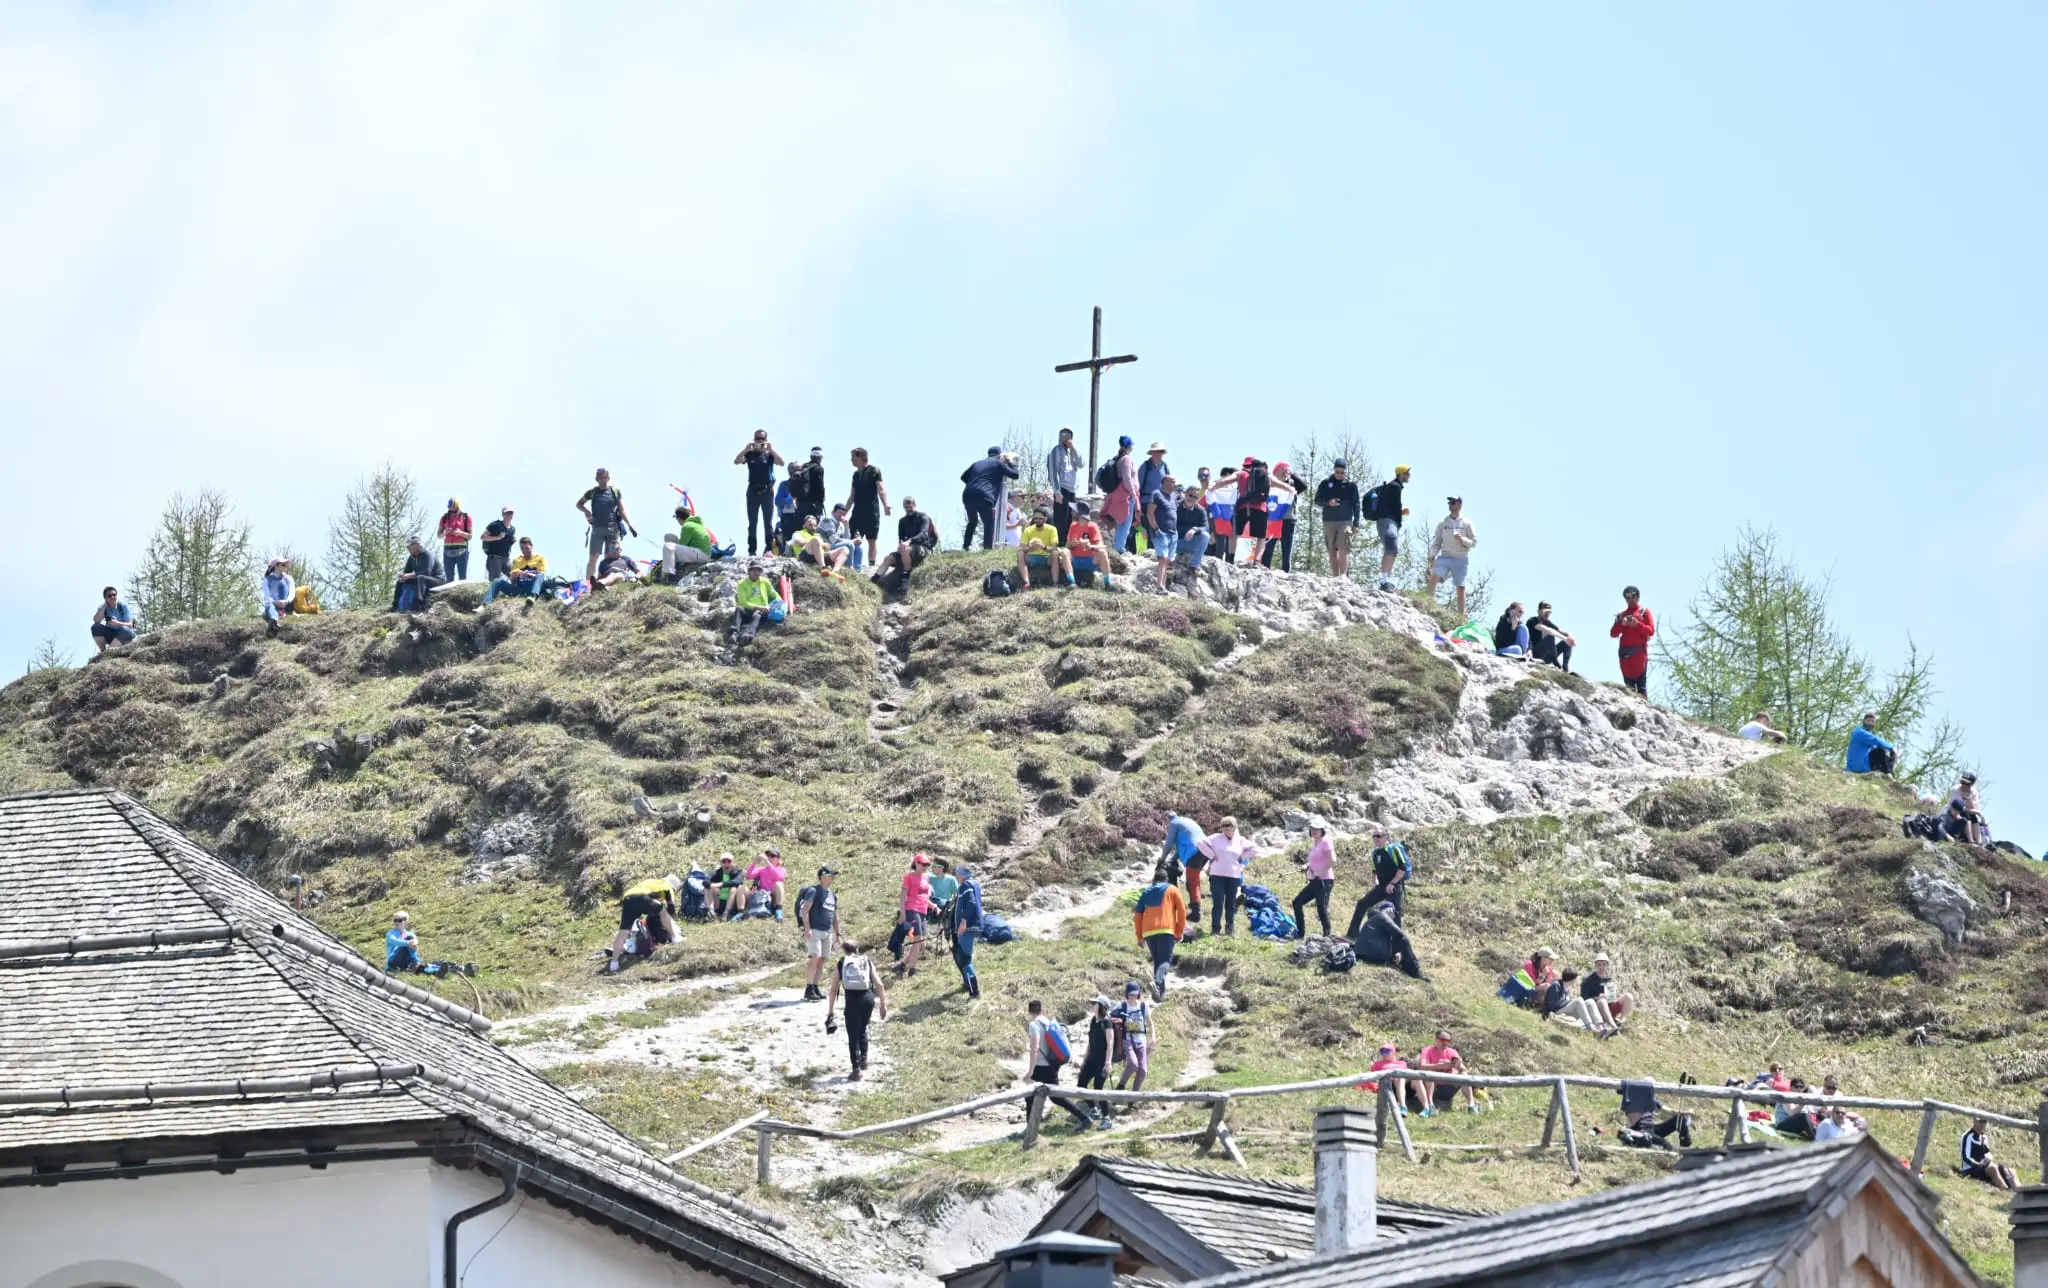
pixel 1874 1233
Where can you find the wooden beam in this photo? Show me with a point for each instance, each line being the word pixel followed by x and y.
pixel 1925 1139
pixel 1230 1144
pixel 1217 1108
pixel 1550 1119
pixel 1034 1114
pixel 1382 1110
pixel 709 1141
pixel 1401 1129
pixel 1736 1121
pixel 1571 1135
pixel 764 1146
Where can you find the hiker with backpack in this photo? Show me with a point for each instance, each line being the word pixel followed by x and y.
pixel 454 529
pixel 1380 941
pixel 1391 869
pixel 1254 493
pixel 982 485
pixel 1095 1054
pixel 1230 856
pixel 1634 626
pixel 648 905
pixel 817 912
pixel 1131 1026
pixel 1153 476
pixel 1450 554
pixel 866 999
pixel 1322 877
pixel 1160 922
pixel 966 922
pixel 907 943
pixel 1117 480
pixel 1182 851
pixel 420 573
pixel 1383 506
pixel 1337 506
pixel 1047 1048
pixel 760 458
pixel 525 576
pixel 603 507
pixel 499 534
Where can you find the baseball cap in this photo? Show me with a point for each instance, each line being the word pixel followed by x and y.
pixel 921 857
pixel 997 451
pixel 1340 464
pixel 1066 432
pixel 1402 469
pixel 828 872
pixel 771 852
pixel 1386 1047
pixel 1454 500
pixel 1123 440
pixel 839 508
pixel 454 503
pixel 1132 990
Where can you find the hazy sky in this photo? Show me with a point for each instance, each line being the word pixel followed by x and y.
pixel 1627 279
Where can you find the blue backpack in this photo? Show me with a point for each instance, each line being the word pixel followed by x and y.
pixel 994 930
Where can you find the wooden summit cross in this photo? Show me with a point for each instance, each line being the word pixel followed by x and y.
pixel 1093 366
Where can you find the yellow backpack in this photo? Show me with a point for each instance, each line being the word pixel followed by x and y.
pixel 305 601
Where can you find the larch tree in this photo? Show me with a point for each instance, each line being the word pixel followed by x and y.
pixel 366 543
pixel 199 563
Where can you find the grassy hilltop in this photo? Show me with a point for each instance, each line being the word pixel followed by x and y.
pixel 1760 915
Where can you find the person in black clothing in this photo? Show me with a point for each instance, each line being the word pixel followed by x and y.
pixel 1337 505
pixel 1978 1164
pixel 982 483
pixel 1251 504
pixel 811 502
pixel 1391 869
pixel 1639 1108
pixel 1389 511
pixel 760 458
pixel 857 977
pixel 420 573
pixel 916 538
pixel 499 534
pixel 1548 641
pixel 1095 1059
pixel 787 522
pixel 1381 942
pixel 867 503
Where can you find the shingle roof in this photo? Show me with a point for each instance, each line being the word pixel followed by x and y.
pixel 1716 1227
pixel 98 863
pixel 1246 1220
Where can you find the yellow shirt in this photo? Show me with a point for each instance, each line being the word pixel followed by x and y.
pixel 532 563
pixel 1042 535
pixel 653 887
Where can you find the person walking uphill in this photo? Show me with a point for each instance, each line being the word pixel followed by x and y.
pixel 1161 922
pixel 1063 476
pixel 857 978
pixel 1337 505
pixel 454 532
pixel 603 507
pixel 1230 855
pixel 981 485
pixel 1634 626
pixel 1390 871
pixel 1322 877
pixel 760 458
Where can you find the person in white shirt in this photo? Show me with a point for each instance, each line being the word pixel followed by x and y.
pixel 1042 1065
pixel 1450 550
pixel 1759 729
pixel 1834 1126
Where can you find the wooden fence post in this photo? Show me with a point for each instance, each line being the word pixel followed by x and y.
pixel 1571 1136
pixel 1926 1138
pixel 1736 1122
pixel 1217 1108
pixel 1550 1119
pixel 763 1148
pixel 2041 1138
pixel 1401 1122
pixel 1034 1113
pixel 1382 1109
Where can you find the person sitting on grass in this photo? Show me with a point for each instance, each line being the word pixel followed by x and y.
pixel 1442 1057
pixel 751 600
pixel 1558 1002
pixel 113 622
pixel 1607 1002
pixel 1038 546
pixel 279 591
pixel 1868 753
pixel 1979 1165
pixel 1639 1109
pixel 1382 942
pixel 651 903
pixel 729 886
pixel 1529 982
pixel 420 573
pixel 1965 821
pixel 768 876
pixel 401 946
pixel 525 577
pixel 614 568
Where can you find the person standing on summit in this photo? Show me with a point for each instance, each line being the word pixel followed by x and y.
pixel 760 458
pixel 1384 505
pixel 1337 501
pixel 454 530
pixel 982 484
pixel 1063 476
pixel 1634 626
pixel 604 508
pixel 868 502
pixel 1120 495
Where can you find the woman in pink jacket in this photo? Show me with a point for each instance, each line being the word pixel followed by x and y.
pixel 1230 855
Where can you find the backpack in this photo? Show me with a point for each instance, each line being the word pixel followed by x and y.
pixel 1926 827
pixel 1338 956
pixel 996 585
pixel 994 930
pixel 1369 505
pixel 1105 476
pixel 305 601
pixel 1059 1048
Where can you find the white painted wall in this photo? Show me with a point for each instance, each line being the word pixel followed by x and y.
pixel 350 1226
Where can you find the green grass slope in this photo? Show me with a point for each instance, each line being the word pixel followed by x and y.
pixel 1045 738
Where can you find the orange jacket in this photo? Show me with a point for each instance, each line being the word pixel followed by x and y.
pixel 1161 911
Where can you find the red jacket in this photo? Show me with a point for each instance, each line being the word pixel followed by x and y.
pixel 1634 632
pixel 454 528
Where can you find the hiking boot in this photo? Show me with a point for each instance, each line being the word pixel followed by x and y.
pixel 855 1075
pixel 273 629
pixel 1102 1122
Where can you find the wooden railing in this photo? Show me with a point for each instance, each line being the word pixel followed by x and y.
pixel 1217 1131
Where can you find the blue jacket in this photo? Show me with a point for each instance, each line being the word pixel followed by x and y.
pixel 967 904
pixel 1183 833
pixel 985 477
pixel 1861 742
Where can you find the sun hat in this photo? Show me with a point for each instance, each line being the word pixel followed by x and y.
pixel 1317 823
pixel 1157 446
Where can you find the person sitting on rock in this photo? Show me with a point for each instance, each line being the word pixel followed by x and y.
pixel 1966 812
pixel 1534 976
pixel 1038 547
pixel 1382 942
pixel 690 546
pixel 420 573
pixel 1868 753
pixel 113 622
pixel 652 904
pixel 1510 636
pixel 839 538
pixel 1191 521
pixel 751 601
pixel 1085 555
pixel 614 568
pixel 525 577
pixel 1760 729
pixel 916 538
pixel 279 591
pixel 810 545
pixel 1979 1165
pixel 1548 641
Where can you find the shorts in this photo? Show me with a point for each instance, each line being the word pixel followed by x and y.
pixel 1166 543
pixel 598 536
pixel 1446 1095
pixel 807 555
pixel 637 906
pixel 1037 561
pixel 865 523
pixel 1251 522
pixel 1390 536
pixel 117 633
pixel 1336 537
pixel 915 922
pixel 1137 1054
pixel 1451 568
pixel 817 943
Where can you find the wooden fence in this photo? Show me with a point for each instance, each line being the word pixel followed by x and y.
pixel 1217 1131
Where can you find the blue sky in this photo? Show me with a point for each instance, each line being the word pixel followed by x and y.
pixel 1626 281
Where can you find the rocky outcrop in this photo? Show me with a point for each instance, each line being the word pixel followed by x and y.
pixel 1940 900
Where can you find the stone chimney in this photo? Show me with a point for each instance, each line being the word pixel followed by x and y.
pixel 1059 1260
pixel 2030 1237
pixel 1347 1180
